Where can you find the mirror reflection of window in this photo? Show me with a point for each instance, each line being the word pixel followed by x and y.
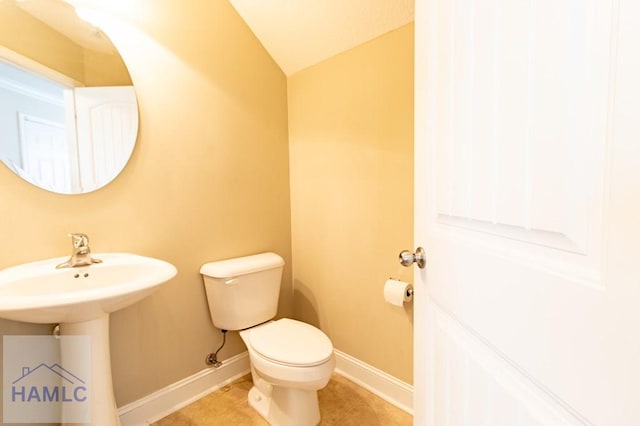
pixel 61 138
pixel 32 128
pixel 68 111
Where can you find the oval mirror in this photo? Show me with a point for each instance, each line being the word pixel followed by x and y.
pixel 68 111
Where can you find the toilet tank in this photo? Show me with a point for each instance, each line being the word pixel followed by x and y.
pixel 244 291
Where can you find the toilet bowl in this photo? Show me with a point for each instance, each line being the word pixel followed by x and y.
pixel 290 361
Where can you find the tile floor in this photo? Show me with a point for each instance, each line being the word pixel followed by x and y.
pixel 342 402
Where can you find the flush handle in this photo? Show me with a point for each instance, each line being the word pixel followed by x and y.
pixel 419 258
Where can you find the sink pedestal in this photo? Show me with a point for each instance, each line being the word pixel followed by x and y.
pixel 80 299
pixel 102 401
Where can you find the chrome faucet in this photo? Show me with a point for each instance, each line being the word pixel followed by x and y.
pixel 81 254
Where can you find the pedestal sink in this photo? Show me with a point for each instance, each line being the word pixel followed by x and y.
pixel 80 299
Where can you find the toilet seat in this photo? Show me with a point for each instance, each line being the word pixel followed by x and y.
pixel 292 343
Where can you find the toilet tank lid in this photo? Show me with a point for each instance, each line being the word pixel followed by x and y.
pixel 242 265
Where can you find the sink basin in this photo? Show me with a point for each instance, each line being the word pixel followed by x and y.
pixel 80 299
pixel 37 292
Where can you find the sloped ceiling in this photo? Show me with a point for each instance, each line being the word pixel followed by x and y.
pixel 301 33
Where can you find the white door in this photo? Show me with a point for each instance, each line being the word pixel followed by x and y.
pixel 44 150
pixel 528 207
pixel 107 126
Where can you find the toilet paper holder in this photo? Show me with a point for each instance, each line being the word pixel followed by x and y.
pixel 397 292
pixel 410 292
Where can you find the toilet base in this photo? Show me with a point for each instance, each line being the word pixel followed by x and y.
pixel 259 402
pixel 286 406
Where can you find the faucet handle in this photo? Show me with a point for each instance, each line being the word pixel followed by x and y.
pixel 79 240
pixel 81 254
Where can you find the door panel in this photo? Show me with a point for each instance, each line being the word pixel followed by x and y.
pixel 473 385
pixel 519 128
pixel 107 122
pixel 44 149
pixel 525 150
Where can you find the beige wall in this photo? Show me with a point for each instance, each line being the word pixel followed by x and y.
pixel 208 180
pixel 31 38
pixel 104 69
pixel 351 165
pixel 26 35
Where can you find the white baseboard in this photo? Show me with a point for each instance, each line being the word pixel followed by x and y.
pixel 165 401
pixel 387 387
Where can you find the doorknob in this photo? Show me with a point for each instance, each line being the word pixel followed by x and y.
pixel 419 258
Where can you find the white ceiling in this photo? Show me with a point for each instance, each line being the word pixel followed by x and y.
pixel 301 33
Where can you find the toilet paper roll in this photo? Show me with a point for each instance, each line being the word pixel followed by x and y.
pixel 397 292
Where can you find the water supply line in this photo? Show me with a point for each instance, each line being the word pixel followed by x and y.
pixel 212 358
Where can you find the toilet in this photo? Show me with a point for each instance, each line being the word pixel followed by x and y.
pixel 290 360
